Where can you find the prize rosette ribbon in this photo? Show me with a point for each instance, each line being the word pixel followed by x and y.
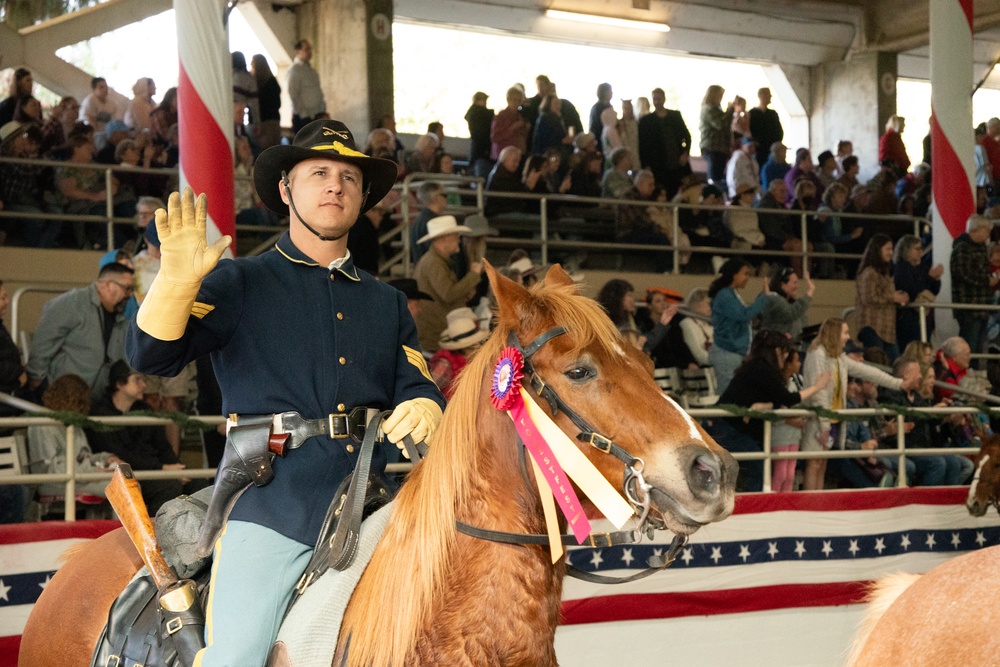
pixel 555 458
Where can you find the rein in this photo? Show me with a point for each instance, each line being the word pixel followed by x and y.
pixel 634 485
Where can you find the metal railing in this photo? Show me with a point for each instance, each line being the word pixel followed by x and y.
pixel 922 313
pixel 900 452
pixel 476 191
pixel 108 217
pixel 545 242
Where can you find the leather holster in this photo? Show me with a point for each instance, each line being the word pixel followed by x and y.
pixel 246 460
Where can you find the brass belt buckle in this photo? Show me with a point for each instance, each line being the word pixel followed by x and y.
pixel 339 425
pixel 593 542
pixel 174 625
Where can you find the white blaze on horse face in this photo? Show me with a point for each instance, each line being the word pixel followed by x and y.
pixel 692 428
pixel 975 480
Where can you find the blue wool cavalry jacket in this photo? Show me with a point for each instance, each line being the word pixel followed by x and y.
pixel 284 334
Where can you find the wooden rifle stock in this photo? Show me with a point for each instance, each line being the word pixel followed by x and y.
pixel 126 499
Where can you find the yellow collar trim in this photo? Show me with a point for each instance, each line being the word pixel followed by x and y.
pixel 353 274
pixel 292 259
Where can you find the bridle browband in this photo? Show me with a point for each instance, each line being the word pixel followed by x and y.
pixel 634 485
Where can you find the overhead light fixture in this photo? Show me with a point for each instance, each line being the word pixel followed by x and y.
pixel 606 21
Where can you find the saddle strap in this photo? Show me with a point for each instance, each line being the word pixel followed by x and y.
pixel 344 543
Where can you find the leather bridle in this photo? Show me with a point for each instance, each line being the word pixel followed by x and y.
pixel 636 489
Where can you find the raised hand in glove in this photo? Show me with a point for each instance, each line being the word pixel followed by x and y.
pixel 418 418
pixel 185 259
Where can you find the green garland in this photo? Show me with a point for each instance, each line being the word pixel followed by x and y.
pixel 85 422
pixel 905 411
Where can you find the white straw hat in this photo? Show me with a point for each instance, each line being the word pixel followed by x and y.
pixel 463 331
pixel 441 226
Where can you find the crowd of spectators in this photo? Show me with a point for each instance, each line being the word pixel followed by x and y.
pixel 96 133
pixel 750 199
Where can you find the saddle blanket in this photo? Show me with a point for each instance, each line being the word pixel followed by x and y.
pixel 310 630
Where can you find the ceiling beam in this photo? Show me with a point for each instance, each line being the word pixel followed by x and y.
pixel 83 24
pixel 694 29
pixel 922 38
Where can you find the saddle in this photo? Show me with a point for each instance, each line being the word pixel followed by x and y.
pixel 133 636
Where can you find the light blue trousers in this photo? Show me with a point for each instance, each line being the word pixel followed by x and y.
pixel 725 364
pixel 254 572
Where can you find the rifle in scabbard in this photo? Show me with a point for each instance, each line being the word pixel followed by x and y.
pixel 125 497
pixel 180 608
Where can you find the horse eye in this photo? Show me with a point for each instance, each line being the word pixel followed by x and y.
pixel 580 373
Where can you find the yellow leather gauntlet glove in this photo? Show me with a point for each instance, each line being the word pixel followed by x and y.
pixel 185 259
pixel 418 417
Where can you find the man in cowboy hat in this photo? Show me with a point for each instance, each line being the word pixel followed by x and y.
pixel 298 329
pixel 436 277
pixel 458 342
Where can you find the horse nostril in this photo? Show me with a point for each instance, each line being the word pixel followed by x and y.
pixel 705 472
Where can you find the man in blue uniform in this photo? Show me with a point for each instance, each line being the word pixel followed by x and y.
pixel 295 329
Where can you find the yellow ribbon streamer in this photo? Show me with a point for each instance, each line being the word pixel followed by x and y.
pixel 549 509
pixel 579 468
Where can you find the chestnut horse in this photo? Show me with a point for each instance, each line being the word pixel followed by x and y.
pixel 434 596
pixel 944 617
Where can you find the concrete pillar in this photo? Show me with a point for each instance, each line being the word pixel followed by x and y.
pixel 951 139
pixel 852 100
pixel 352 51
pixel 380 72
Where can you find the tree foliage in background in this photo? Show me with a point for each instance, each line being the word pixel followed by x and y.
pixel 22 13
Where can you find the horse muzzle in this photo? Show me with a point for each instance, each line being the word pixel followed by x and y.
pixel 703 495
pixel 977 508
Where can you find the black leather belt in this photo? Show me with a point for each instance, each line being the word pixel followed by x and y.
pixel 337 425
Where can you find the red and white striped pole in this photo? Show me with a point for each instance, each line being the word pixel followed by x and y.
pixel 951 136
pixel 205 110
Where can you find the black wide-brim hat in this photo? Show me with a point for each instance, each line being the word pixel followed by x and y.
pixel 329 139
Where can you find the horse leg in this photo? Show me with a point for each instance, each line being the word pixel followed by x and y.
pixel 69 617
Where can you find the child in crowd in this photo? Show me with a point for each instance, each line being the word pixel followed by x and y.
pixel 827 355
pixel 785 435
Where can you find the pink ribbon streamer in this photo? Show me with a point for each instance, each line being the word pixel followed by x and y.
pixel 561 487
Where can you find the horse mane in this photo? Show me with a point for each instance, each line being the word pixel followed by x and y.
pixel 392 602
pixel 881 594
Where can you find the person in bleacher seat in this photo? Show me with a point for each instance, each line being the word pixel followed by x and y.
pixel 731 318
pixel 47 444
pixel 786 310
pixel 142 447
pixel 436 277
pixel 827 355
pixel 759 383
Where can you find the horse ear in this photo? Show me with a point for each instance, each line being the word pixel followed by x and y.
pixel 558 276
pixel 508 294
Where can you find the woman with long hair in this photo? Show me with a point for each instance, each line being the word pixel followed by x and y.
pixel 617 298
pixel 785 310
pixel 911 275
pixel 716 133
pixel 266 129
pixel 163 117
pixel 877 297
pixel 759 383
pixel 731 318
pixel 550 131
pixel 826 355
